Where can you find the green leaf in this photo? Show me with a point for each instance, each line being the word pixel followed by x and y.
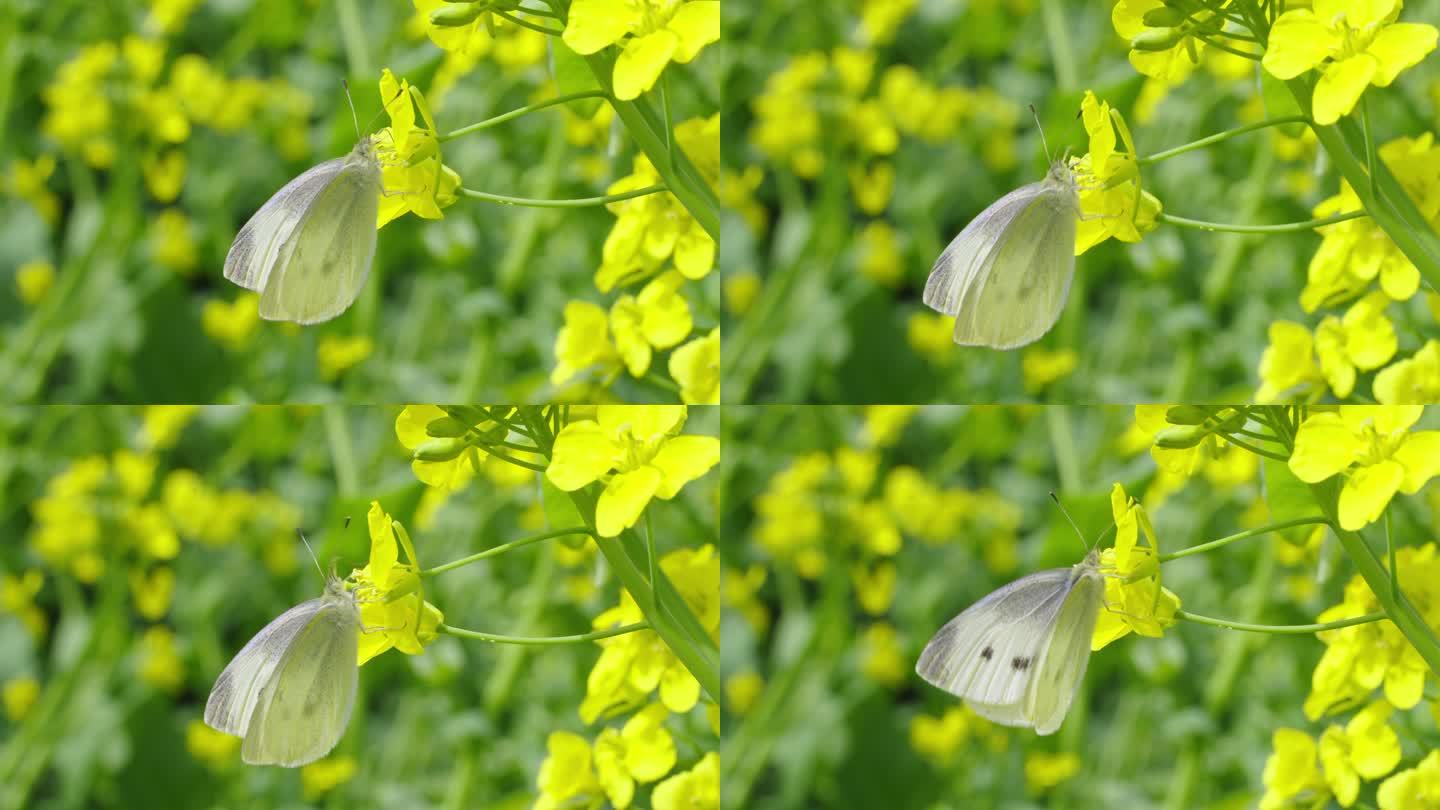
pixel 573 75
pixel 1288 498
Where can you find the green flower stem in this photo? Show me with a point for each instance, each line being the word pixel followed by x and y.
pixel 1281 629
pixel 1395 604
pixel 647 128
pixel 1248 533
pixel 541 641
pixel 582 202
pixel 1392 208
pixel 513 114
pixel 1058 35
pixel 1259 451
pixel 523 23
pixel 501 549
pixel 1222 136
pixel 675 624
pixel 1287 227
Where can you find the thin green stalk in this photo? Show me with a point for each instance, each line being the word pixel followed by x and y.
pixel 513 114
pixel 352 33
pixel 1222 136
pixel 1248 533
pixel 1287 227
pixel 541 641
pixel 1058 35
pixel 1281 629
pixel 501 549
pixel 1393 210
pixel 342 453
pixel 1396 605
pixel 581 202
pixel 523 23
pixel 1259 451
pixel 647 129
pixel 676 626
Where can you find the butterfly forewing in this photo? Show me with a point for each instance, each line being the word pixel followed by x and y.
pixel 1062 666
pixel 237 690
pixel 965 258
pixel 304 708
pixel 989 652
pixel 257 246
pixel 324 263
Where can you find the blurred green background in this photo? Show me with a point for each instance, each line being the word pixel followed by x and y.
pixel 140 136
pixel 853 534
pixel 861 137
pixel 144 547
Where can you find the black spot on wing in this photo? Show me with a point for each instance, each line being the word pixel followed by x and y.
pixel 1020 662
pixel 987 653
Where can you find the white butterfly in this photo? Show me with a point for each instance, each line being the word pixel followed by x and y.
pixel 290 691
pixel 1017 656
pixel 308 250
pixel 1007 275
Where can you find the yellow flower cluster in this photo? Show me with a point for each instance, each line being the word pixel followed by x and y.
pixel 1111 199
pixel 1360 659
pixel 393 612
pixel 1301 772
pixel 413 177
pixel 650 34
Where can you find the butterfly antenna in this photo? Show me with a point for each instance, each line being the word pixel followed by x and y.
pixel 312 553
pixel 1043 143
pixel 1073 524
pixel 353 116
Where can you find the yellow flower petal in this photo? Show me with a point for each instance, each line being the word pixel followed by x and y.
pixel 1367 492
pixel 1398 47
pixel 624 499
pixel 1340 87
pixel 593 24
pixel 696 24
pixel 1419 454
pixel 683 459
pixel 639 65
pixel 583 452
pixel 1298 41
pixel 1324 446
pixel 384 550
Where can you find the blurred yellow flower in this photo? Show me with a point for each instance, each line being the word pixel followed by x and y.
pixel 1366 748
pixel 1045 770
pixel 872 187
pixel 389 595
pixel 584 344
pixel 1365 340
pixel 695 789
pixel 1041 366
pixel 160 663
pixel 1288 368
pixel 742 690
pixel 643 751
pixel 1416 788
pixel 741 589
pixel 650 34
pixel 152 592
pixel 637 452
pixel 215 749
pixel 20 695
pixel 931 334
pixel 172 243
pixel 161 424
pixel 880 259
pixel 884 423
pixel 169 16
pixel 17 597
pixel 882 659
pixel 659 318
pixel 319 778
pixel 1413 380
pixel 567 778
pixel 874 586
pixel 1353 44
pixel 938 739
pixel 653 228
pixel 231 324
pixel 633 665
pixel 26 180
pixel 33 280
pixel 696 367
pixel 1374 448
pixel 1292 772
pixel 880 19
pixel 336 354
pixel 740 290
pixel 164 174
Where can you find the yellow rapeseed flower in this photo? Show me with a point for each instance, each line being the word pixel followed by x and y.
pixel 1375 450
pixel 389 594
pixel 696 367
pixel 695 789
pixel 33 280
pixel 650 34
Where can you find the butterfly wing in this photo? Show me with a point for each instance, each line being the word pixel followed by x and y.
pixel 256 248
pixel 303 709
pixel 1062 666
pixel 237 691
pixel 967 256
pixel 1021 285
pixel 989 653
pixel 323 264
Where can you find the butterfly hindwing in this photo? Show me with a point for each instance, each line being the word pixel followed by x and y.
pixel 1062 666
pixel 237 690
